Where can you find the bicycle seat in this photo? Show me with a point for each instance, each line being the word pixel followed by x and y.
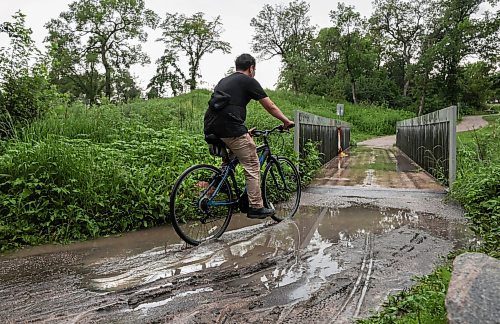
pixel 216 146
pixel 213 139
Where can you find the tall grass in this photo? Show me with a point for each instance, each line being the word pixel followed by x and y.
pixel 83 172
pixel 477 186
pixel 366 120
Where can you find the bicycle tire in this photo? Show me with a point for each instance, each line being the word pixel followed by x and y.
pixel 274 191
pixel 190 212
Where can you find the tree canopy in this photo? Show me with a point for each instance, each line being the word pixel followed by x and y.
pixel 98 34
pixel 416 55
pixel 193 36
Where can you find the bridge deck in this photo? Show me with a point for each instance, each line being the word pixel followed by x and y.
pixel 375 167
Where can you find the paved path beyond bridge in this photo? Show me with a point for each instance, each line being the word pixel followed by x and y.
pixel 468 123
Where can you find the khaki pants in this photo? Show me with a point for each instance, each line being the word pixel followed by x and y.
pixel 245 150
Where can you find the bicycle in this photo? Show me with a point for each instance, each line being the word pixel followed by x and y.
pixel 202 201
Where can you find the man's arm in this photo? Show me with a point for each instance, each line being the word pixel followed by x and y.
pixel 271 108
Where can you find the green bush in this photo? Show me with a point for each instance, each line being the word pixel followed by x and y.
pixel 477 186
pixel 81 172
pixel 25 92
pixel 69 189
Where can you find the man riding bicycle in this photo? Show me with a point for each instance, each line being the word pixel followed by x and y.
pixel 225 118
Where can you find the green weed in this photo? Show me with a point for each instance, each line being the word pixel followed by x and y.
pixel 82 172
pixel 423 303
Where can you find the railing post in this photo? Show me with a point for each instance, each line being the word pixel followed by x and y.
pixel 452 167
pixel 296 132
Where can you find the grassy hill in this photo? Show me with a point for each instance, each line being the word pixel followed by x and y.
pixel 85 172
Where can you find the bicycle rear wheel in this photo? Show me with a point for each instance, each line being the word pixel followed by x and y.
pixel 281 188
pixel 194 219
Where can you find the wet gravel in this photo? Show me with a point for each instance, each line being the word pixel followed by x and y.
pixel 347 249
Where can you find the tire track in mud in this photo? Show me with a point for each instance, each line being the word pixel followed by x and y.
pixel 341 299
pixel 329 264
pixel 381 271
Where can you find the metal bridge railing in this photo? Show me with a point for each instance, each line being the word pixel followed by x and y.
pixel 332 136
pixel 431 142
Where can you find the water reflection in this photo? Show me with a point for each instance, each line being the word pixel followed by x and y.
pixel 305 244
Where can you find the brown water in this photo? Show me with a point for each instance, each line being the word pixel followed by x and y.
pixel 144 257
pixel 295 259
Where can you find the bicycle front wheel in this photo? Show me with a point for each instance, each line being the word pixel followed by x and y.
pixel 281 188
pixel 196 214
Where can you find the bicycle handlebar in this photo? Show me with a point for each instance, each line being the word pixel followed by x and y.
pixel 267 132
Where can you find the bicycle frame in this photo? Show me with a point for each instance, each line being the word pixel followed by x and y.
pixel 204 198
pixel 264 154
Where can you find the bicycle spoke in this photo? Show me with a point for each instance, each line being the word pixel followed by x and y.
pixel 192 216
pixel 281 188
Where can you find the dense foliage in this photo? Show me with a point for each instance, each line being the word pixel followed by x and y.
pixel 25 91
pixel 477 186
pixel 83 172
pixel 93 44
pixel 409 54
pixel 416 55
pixel 365 120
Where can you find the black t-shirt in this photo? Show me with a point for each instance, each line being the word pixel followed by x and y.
pixel 230 121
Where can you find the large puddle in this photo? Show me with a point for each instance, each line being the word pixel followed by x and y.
pixel 301 250
pixel 305 241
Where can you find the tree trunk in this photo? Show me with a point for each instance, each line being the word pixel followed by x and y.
pixel 421 105
pixel 406 64
pixel 452 82
pixel 405 88
pixel 192 81
pixel 353 89
pixel 107 67
pixel 295 85
pixel 422 96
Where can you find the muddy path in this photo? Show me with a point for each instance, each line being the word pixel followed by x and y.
pixel 336 261
pixel 366 226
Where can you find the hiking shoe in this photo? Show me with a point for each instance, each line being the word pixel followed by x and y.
pixel 260 213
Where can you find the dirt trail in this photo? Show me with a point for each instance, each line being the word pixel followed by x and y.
pixel 366 226
pixel 331 263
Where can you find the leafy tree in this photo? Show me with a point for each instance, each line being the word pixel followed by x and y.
pixel 284 31
pixel 96 34
pixel 168 74
pixel 463 36
pixel 495 85
pixel 193 36
pixel 74 72
pixel 25 92
pixel 401 24
pixel 324 64
pixel 476 84
pixel 15 58
pixel 350 26
pixel 126 87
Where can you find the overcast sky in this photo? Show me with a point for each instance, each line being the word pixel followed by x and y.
pixel 235 16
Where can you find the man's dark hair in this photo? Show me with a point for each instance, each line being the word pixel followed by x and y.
pixel 244 61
